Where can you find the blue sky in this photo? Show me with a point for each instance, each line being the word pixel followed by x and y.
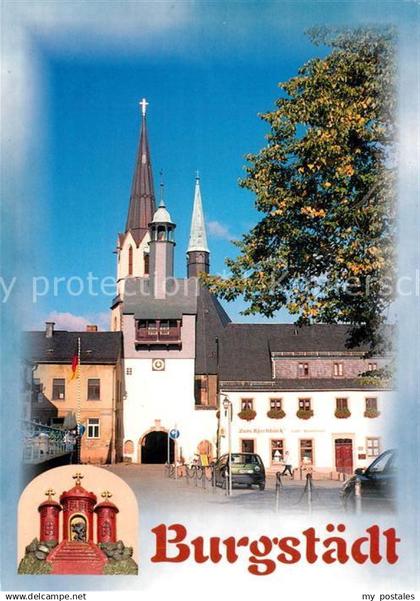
pixel 207 70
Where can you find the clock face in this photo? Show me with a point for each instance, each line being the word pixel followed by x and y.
pixel 158 364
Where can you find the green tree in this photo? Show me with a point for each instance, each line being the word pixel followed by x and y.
pixel 325 183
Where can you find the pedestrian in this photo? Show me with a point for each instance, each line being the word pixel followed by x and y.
pixel 287 466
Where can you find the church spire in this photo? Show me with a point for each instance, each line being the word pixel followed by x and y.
pixel 142 198
pixel 198 251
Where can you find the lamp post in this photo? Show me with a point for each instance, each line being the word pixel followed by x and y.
pixel 227 405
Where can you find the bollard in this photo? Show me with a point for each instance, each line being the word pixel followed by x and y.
pixel 358 495
pixel 279 486
pixel 309 491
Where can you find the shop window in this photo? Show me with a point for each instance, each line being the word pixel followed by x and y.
pixel 306 452
pixel 372 447
pixel 277 451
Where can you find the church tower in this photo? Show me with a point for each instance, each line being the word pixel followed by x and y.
pixel 198 254
pixel 133 260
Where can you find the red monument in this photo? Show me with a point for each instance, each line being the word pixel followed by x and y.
pixel 77 553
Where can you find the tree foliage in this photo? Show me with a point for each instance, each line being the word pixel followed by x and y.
pixel 325 183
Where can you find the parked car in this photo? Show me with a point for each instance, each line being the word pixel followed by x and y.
pixel 377 483
pixel 247 469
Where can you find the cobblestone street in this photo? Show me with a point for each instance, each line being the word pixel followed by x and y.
pixel 152 486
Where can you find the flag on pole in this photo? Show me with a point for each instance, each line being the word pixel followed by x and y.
pixel 74 364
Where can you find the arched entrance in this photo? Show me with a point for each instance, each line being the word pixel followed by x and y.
pixel 154 447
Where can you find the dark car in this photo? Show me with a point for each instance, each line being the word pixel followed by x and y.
pixel 377 484
pixel 247 469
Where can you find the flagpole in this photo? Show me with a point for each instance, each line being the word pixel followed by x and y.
pixel 78 414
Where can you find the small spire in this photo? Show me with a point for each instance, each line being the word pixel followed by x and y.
pixel 162 190
pixel 198 236
pixel 106 495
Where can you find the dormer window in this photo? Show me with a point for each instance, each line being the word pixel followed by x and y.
pixel 303 370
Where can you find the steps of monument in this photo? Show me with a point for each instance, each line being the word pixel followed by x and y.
pixel 77 558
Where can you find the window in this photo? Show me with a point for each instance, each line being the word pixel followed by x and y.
pixel 129 371
pixel 275 404
pixel 37 391
pixel 58 389
pixel 277 449
pixel 338 369
pixel 303 370
pixel 372 366
pixel 306 451
pixel 372 404
pixel 164 328
pixel 305 404
pixel 146 258
pixel 94 389
pixel 130 261
pixel 200 390
pixel 372 447
pixel 151 328
pixel 341 404
pixel 247 446
pixel 247 404
pixel 93 429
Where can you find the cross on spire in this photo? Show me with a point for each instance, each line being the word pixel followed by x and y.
pixel 106 495
pixel 49 493
pixel 78 477
pixel 144 104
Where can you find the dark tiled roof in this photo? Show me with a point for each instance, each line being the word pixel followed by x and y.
pixel 140 302
pixel 211 322
pixel 304 385
pixel 95 347
pixel 246 349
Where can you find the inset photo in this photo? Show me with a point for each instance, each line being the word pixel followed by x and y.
pixel 78 520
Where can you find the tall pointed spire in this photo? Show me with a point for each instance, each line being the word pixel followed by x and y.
pixel 142 198
pixel 198 237
pixel 197 252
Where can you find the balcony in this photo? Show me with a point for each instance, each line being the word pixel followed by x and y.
pixel 153 334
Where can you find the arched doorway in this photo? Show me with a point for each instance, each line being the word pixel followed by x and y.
pixel 154 447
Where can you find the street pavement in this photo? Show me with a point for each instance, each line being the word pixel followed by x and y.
pixel 151 484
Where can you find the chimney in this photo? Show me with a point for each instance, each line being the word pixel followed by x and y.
pixel 49 329
pixel 91 328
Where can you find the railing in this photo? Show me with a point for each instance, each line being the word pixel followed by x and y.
pixel 194 473
pixel 41 443
pixel 172 337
